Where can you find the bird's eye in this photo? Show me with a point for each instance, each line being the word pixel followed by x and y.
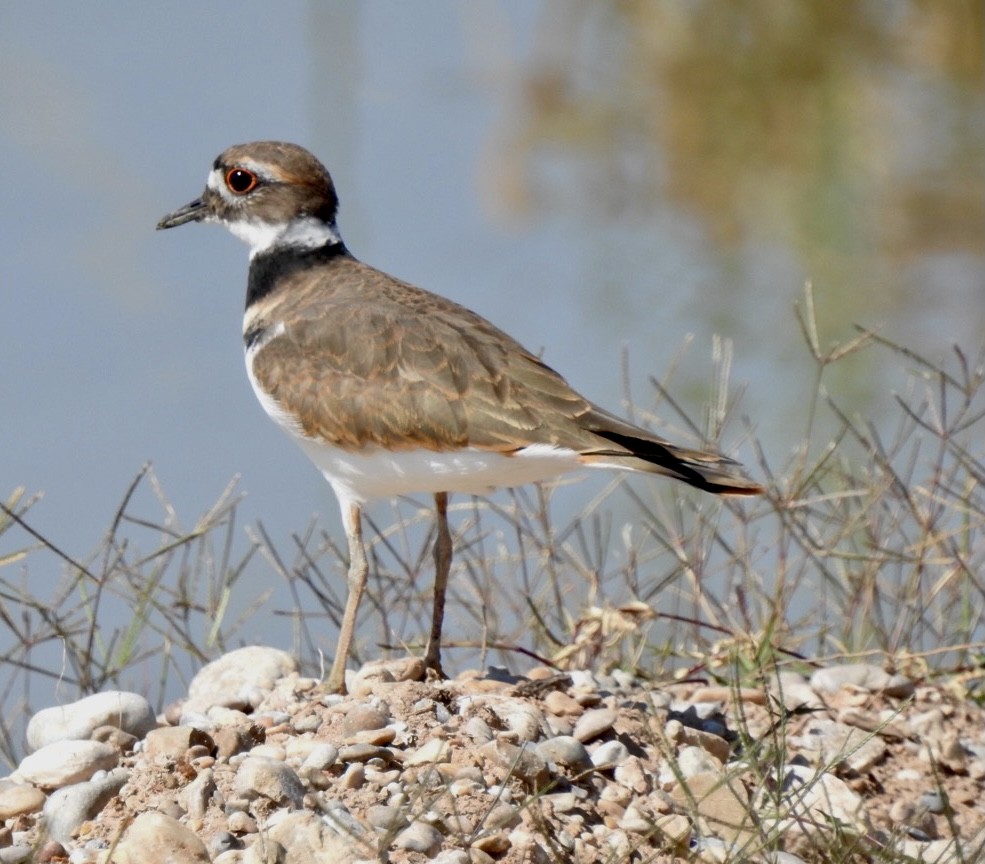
pixel 240 181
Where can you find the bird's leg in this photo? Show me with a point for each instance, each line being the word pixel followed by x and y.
pixel 442 564
pixel 358 572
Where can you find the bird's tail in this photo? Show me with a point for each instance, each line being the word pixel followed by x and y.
pixel 638 450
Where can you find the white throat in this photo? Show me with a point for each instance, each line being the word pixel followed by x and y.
pixel 306 232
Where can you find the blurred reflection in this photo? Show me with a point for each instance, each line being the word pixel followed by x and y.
pixel 849 135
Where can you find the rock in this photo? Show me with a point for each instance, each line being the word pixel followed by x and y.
pixel 452 856
pixel 521 717
pixel 419 837
pixel 264 851
pixel 15 854
pixel 946 751
pixel 64 762
pixel 67 808
pixel 122 741
pixel 939 852
pixel 886 727
pixel 832 678
pixel 341 820
pixel 814 798
pixel 270 751
pixel 636 819
pixel 908 814
pixel 51 851
pixel 620 845
pixel 130 712
pixel 696 760
pixel 308 723
pixel 675 827
pixel 609 755
pixel 197 794
pixel 721 694
pixel 632 774
pixel 230 740
pixel 219 716
pixel 307 838
pixel 300 747
pixel 361 718
pixel 583 681
pixel 321 757
pixel 173 742
pixel 502 816
pixel 224 842
pixel 478 730
pixel 259 777
pixel 594 723
pixel 523 762
pixel 154 838
pixel 711 850
pixel 434 750
pixel 615 794
pixel 384 818
pixel 713 744
pixel 377 737
pixel 464 786
pixel 826 741
pixel 562 802
pixel 382 672
pixel 497 843
pixel 721 802
pixel 238 679
pixel 928 724
pixel 19 799
pixel 560 703
pixel 362 753
pixel 567 751
pixel 354 776
pixel 933 802
pixel 240 822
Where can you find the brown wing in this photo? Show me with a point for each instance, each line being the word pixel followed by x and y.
pixel 378 362
pixel 397 367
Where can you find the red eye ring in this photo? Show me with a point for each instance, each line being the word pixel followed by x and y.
pixel 240 181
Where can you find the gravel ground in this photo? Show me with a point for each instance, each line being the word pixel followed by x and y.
pixel 260 765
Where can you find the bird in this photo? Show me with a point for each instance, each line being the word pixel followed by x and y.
pixel 393 390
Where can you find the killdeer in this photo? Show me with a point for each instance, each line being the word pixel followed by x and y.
pixel 392 390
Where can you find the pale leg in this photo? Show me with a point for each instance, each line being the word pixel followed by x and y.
pixel 358 572
pixel 442 564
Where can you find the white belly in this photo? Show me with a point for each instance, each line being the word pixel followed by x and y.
pixel 377 473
